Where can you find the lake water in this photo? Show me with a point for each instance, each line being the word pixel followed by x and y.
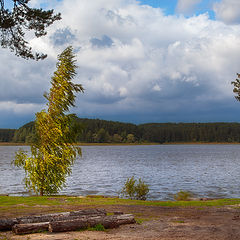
pixel 205 170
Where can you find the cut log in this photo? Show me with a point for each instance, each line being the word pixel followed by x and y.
pixel 118 213
pixel 7 224
pixel 86 212
pixel 84 222
pixel 30 228
pixel 62 216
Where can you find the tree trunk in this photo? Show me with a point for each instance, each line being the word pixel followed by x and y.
pixel 30 228
pixel 89 221
pixel 7 224
pixel 62 216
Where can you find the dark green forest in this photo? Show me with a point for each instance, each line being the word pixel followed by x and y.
pixel 102 131
pixel 6 135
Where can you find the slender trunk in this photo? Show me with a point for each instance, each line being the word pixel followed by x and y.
pixel 42 180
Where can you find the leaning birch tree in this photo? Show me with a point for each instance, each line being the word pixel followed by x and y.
pixel 54 152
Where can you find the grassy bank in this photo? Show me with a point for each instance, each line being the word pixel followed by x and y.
pixel 16 206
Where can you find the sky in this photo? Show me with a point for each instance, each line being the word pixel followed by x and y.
pixel 139 61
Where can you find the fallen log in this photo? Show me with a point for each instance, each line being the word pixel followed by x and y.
pixel 7 224
pixel 84 222
pixel 30 228
pixel 62 216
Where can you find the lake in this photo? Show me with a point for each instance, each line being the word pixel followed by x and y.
pixel 206 170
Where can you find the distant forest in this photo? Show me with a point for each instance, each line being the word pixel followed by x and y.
pixel 101 131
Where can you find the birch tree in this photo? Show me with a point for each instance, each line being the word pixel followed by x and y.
pixel 54 152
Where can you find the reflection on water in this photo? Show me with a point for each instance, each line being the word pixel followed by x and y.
pixel 206 170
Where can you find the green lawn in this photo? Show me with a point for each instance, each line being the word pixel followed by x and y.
pixel 6 201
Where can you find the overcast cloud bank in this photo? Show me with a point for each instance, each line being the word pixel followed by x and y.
pixel 135 63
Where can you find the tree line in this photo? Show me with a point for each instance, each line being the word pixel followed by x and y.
pixel 6 135
pixel 102 131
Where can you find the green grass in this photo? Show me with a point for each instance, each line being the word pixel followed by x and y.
pixel 178 221
pixel 98 227
pixel 3 237
pixel 30 201
pixel 7 202
pixel 66 200
pixel 140 220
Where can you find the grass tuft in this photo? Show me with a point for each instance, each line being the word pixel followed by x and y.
pixel 98 227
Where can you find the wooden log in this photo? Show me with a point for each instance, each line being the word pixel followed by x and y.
pixel 6 224
pixel 30 228
pixel 84 222
pixel 85 212
pixel 118 213
pixel 62 216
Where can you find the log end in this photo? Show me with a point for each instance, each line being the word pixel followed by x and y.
pixel 30 228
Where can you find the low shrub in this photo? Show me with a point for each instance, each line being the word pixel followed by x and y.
pixel 182 196
pixel 142 190
pixel 135 191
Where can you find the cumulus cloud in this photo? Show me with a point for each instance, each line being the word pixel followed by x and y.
pixel 23 81
pixel 19 108
pixel 228 11
pixel 186 6
pixel 135 63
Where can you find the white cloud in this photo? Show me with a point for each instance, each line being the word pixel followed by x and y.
pixel 186 6
pixel 19 108
pixel 157 88
pixel 228 11
pixel 132 60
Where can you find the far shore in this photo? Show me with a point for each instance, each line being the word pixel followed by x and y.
pixel 131 144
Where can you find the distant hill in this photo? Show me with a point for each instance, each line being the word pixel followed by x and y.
pixel 191 132
pixel 25 134
pixel 102 131
pixel 6 135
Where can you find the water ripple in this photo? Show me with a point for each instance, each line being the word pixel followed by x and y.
pixel 206 170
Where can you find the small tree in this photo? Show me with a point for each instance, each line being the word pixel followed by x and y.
pixel 182 196
pixel 130 138
pixel 103 136
pixel 135 191
pixel 117 138
pixel 129 189
pixel 53 153
pixel 142 190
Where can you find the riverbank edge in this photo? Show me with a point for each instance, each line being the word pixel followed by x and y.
pixel 132 144
pixel 8 201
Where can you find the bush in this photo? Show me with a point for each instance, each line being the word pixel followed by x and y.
pixel 135 191
pixel 182 196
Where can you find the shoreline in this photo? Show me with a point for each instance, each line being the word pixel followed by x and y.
pixel 131 144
